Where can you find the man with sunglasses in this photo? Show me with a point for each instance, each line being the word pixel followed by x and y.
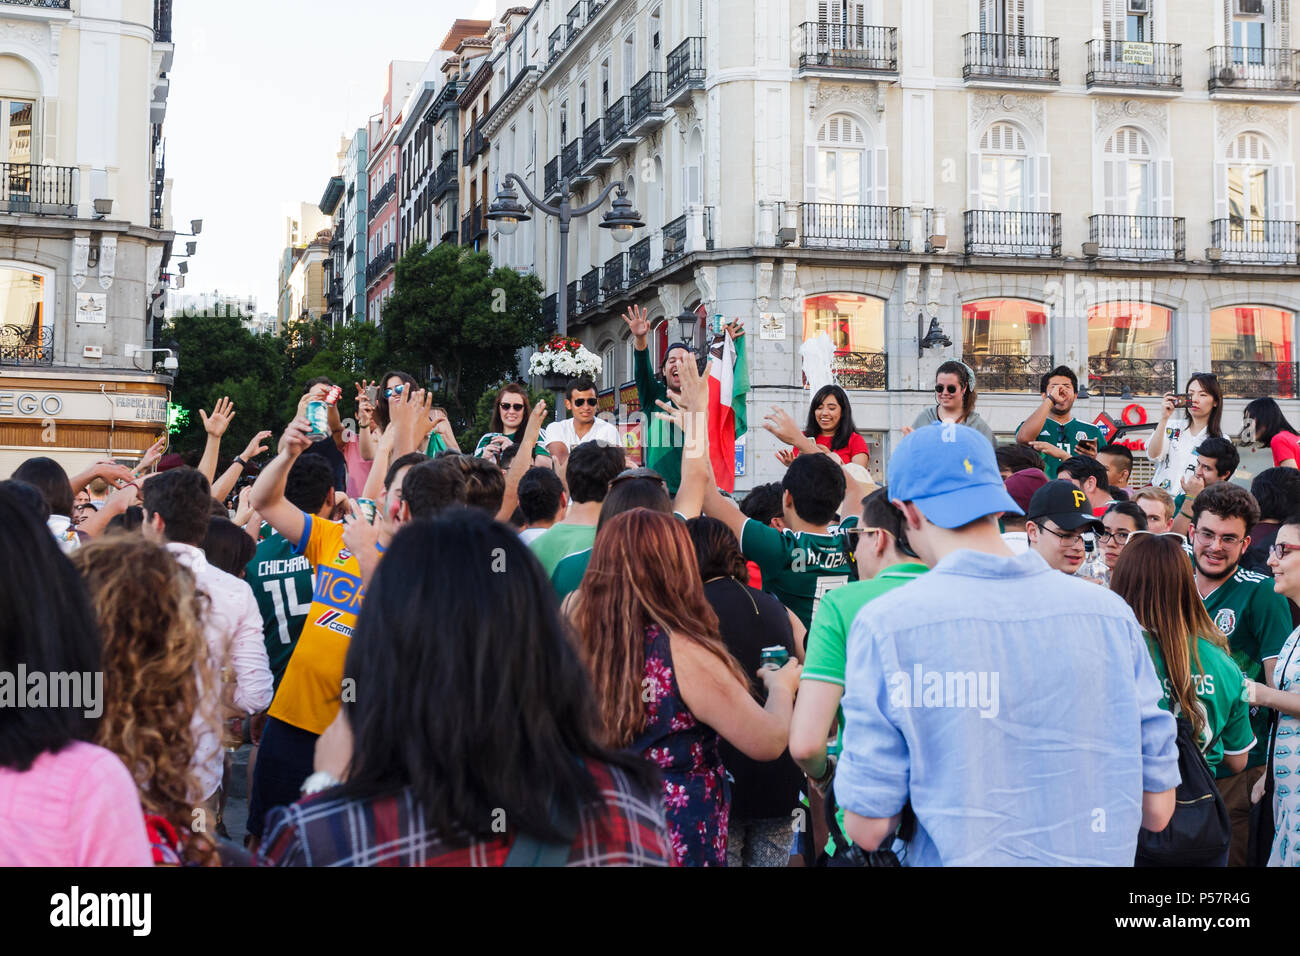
pixel 1058 515
pixel 1252 616
pixel 582 425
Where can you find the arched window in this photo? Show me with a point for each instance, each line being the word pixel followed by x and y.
pixel 693 175
pixel 1128 174
pixel 25 338
pixel 1131 345
pixel 1007 342
pixel 608 371
pixel 1254 200
pixel 1252 351
pixel 856 327
pixel 1004 169
pixel 842 162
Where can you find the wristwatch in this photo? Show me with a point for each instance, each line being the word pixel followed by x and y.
pixel 318 781
pixel 240 462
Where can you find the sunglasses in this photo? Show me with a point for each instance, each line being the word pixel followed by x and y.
pixel 579 402
pixel 946 389
pixel 394 392
pixel 638 474
pixel 512 406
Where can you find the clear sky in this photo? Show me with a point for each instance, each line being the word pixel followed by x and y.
pixel 261 91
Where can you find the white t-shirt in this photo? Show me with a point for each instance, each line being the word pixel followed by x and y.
pixel 565 432
pixel 1176 460
pixel 528 535
pixel 1017 541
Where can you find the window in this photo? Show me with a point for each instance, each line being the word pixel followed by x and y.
pixel 22 310
pixel 1250 174
pixel 629 62
pixel 855 325
pixel 1129 174
pixel 1003 16
pixel 582 106
pixel 564 125
pixel 608 379
pixel 1007 343
pixel 17 133
pixel 1003 164
pixel 841 162
pixel 604 85
pixel 1252 351
pixel 1131 344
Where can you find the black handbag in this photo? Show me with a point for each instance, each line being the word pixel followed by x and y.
pixel 850 854
pixel 1199 832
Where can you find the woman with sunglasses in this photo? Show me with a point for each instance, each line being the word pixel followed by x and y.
pixel 510 413
pixel 954 392
pixel 397 384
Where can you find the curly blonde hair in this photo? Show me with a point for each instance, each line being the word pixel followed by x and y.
pixel 155 663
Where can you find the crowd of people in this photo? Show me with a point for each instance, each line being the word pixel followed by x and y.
pixel 542 652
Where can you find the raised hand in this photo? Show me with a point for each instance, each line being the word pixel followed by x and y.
pixel 780 424
pixel 255 447
pixel 151 456
pixel 638 323
pixel 785 456
pixel 735 328
pixel 222 415
pixel 296 438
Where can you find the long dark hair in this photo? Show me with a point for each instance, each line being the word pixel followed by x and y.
pixel 381 404
pixel 1269 420
pixel 717 550
pixel 962 371
pixel 228 546
pixel 511 388
pixel 1210 382
pixel 47 626
pixel 844 431
pixel 496 711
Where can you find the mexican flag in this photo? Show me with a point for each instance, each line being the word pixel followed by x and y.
pixel 728 387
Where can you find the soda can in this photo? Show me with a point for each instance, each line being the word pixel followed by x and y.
pixel 318 416
pixel 776 655
pixel 369 509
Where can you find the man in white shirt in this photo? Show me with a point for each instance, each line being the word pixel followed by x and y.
pixel 582 426
pixel 177 507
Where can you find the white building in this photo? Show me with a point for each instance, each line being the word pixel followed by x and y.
pixel 1104 184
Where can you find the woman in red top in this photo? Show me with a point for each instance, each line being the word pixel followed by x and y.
pixel 1272 429
pixel 830 424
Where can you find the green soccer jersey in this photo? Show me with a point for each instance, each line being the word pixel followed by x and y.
pixel 663 441
pixel 1065 437
pixel 799 568
pixel 282 583
pixel 1220 688
pixel 1256 621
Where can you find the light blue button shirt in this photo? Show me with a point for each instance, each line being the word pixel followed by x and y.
pixel 1015 706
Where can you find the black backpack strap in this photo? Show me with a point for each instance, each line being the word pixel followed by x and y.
pixel 529 851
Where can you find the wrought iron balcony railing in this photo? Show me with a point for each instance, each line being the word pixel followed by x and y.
pixel 1008 373
pixel 558 40
pixel 26 345
pixel 616 124
pixel 575 21
pixel 1154 66
pixel 850 47
pixel 646 101
pixel 334 298
pixel 615 270
pixel 589 291
pixel 551 176
pixel 377 266
pixel 46 4
pixel 474 143
pixel 162 16
pixel 1265 241
pixel 573 300
pixel 674 240
pixel 994 232
pixel 685 69
pixel 708 227
pixel 570 159
pixel 835 226
pixel 1141 376
pixel 38 190
pixel 861 369
pixel 1001 56
pixel 551 314
pixel 591 143
pixel 638 261
pixel 1139 237
pixel 1256 69
pixel 445 176
pixel 1246 378
pixel 386 192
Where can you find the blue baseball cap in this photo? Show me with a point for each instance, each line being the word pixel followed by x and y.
pixel 950 473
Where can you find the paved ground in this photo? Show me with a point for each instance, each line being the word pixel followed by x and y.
pixel 236 812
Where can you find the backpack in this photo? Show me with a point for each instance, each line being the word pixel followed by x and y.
pixel 1199 832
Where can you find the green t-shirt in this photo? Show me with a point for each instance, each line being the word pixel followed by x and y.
pixel 282 583
pixel 1220 688
pixel 799 568
pixel 561 540
pixel 663 441
pixel 568 574
pixel 538 449
pixel 1256 621
pixel 1065 437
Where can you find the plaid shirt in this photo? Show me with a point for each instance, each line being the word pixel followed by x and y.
pixel 325 830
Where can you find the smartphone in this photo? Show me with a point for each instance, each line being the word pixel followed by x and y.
pixel 1088 445
pixel 1182 401
pixel 372 394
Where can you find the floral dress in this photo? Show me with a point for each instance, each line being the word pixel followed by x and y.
pixel 1286 765
pixel 697 796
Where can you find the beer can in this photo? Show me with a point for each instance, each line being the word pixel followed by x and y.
pixel 318 416
pixel 776 655
pixel 368 508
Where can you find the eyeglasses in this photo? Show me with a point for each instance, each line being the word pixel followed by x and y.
pixel 1280 551
pixel 1119 537
pixel 579 402
pixel 394 392
pixel 948 389
pixel 1069 540
pixel 1208 538
pixel 512 406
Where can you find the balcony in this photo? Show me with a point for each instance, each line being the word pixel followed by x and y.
pixel 474 143
pixel 551 314
pixel 835 226
pixel 685 71
pixel 589 291
pixel 162 15
pixel 336 240
pixel 555 45
pixel 1247 378
pixel 334 298
pixel 674 240
pixel 999 59
pixel 646 104
pixel 39 190
pixel 58 5
pixel 993 232
pixel 444 102
pixel 575 21
pixel 593 158
pixel 1142 376
pixel 380 264
pixel 386 192
pixel 1144 238
pixel 1135 67
pixel 638 262
pixel 445 176
pixel 708 227
pixel 868 370
pixel 571 165
pixel 1250 72
pixel 1008 372
pixel 1256 241
pixel 551 178
pixel 26 345
pixel 573 300
pixel 848 49
pixel 617 137
pixel 612 279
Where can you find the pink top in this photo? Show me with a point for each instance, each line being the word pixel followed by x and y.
pixel 358 468
pixel 78 807
pixel 1285 446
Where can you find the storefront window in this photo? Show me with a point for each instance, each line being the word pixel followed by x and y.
pixel 1007 342
pixel 1252 351
pixel 24 337
pixel 1131 345
pixel 855 325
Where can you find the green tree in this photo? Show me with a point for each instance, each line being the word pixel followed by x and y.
pixel 344 354
pixel 457 315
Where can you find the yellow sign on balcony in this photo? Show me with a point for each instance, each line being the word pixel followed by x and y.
pixel 1138 54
